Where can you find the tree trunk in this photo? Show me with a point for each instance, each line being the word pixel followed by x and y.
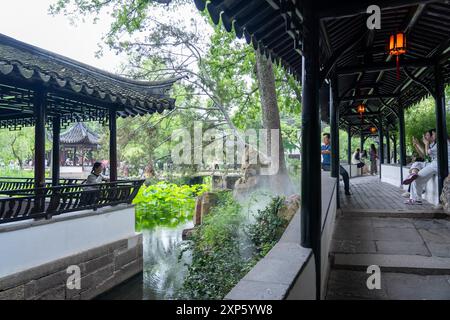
pixel 270 111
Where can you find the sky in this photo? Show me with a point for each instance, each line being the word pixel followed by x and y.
pixel 30 22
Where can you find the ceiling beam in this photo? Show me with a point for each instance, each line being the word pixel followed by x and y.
pixel 377 67
pixel 369 97
pixel 336 9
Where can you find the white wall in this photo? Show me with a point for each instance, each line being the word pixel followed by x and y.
pixel 354 172
pixel 391 174
pixel 40 242
pixel 328 223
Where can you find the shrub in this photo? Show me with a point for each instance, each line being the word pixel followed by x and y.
pixel 218 247
pixel 267 228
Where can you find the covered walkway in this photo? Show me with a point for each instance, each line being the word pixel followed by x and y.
pixel 410 244
pixel 361 79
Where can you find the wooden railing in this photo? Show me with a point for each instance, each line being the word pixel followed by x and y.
pixel 9 185
pixel 46 202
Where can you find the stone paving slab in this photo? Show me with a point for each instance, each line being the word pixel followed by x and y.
pixel 351 285
pixel 345 284
pixel 397 234
pixel 353 246
pixel 369 192
pixel 402 248
pixel 389 262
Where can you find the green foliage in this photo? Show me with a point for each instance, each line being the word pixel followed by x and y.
pixel 216 260
pixel 165 204
pixel 267 228
pixel 418 119
pixel 225 247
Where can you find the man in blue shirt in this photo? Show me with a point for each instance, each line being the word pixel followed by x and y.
pixel 326 162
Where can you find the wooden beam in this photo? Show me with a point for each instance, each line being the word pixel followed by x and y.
pixel 369 97
pixel 387 66
pixel 336 9
pixel 350 44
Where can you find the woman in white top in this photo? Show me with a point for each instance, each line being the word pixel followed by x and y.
pixel 96 175
pixel 427 172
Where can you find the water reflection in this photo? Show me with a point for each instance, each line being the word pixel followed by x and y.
pixel 163 274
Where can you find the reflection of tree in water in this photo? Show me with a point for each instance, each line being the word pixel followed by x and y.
pixel 163 273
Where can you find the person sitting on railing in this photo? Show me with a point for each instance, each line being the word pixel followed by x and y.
pixel 91 193
pixel 356 159
pixel 96 174
pixel 419 180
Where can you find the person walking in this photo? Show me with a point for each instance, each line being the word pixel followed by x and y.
pixel 373 160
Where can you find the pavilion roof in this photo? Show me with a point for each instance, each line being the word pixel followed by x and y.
pixel 79 134
pixel 348 50
pixel 75 91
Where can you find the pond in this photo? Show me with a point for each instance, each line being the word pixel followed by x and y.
pixel 162 273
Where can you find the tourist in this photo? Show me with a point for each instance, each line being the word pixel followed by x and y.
pixel 96 174
pixel 326 163
pixel 91 193
pixel 373 159
pixel 419 180
pixel 356 159
pixel 365 159
pixel 418 161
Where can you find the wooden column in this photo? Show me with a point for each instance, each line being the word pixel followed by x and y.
pixel 441 127
pixel 112 144
pixel 334 128
pixel 56 146
pixel 381 149
pixel 334 106
pixel 39 105
pixel 394 142
pixel 402 145
pixel 349 150
pixel 381 138
pixel 361 141
pixel 311 203
pixel 388 146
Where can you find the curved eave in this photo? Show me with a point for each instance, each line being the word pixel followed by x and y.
pixel 21 63
pixel 265 25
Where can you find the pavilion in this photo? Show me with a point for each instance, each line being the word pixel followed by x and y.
pixel 48 227
pixel 78 138
pixel 40 88
pixel 341 64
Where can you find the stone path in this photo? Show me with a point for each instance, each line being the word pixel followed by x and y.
pixel 369 193
pixel 412 249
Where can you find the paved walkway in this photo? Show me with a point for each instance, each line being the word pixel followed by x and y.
pixel 369 193
pixel 412 248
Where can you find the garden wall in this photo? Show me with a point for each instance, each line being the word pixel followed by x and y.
pixel 37 254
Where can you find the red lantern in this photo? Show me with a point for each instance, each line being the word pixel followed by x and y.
pixel 397 47
pixel 373 130
pixel 361 109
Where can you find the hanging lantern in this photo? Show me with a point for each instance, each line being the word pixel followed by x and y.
pixel 373 130
pixel 361 109
pixel 397 47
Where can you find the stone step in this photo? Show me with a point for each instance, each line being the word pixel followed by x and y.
pixel 393 263
pixel 394 213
